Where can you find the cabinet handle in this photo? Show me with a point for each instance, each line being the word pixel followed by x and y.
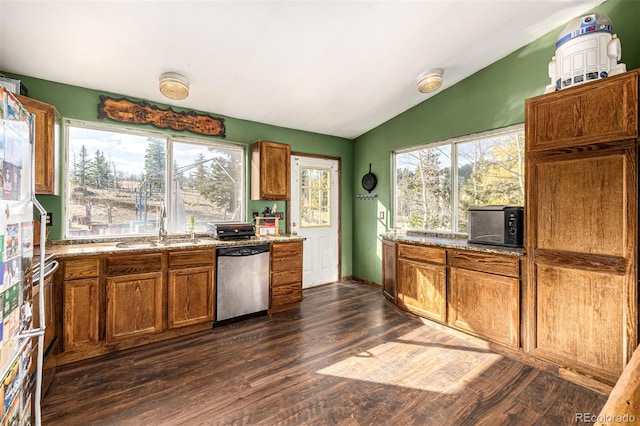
pixel 294 233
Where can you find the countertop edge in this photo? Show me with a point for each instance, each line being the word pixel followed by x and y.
pixel 452 243
pixel 57 251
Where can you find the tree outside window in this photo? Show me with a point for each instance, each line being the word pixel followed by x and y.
pixel 118 180
pixel 488 169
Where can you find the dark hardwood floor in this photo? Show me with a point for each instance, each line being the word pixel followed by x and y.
pixel 347 357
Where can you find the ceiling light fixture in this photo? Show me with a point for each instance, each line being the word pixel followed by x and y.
pixel 430 81
pixel 174 86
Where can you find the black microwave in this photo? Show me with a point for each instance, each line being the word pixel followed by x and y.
pixel 497 225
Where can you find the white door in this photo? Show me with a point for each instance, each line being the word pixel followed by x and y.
pixel 314 214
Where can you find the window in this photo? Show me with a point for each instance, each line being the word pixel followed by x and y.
pixel 315 192
pixel 488 168
pixel 118 180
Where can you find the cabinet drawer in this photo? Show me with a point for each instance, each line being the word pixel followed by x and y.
pixel 590 113
pixel 485 262
pixel 286 249
pixel 86 267
pixel 126 265
pixel 286 264
pixel 286 294
pixel 189 258
pixel 422 253
pixel 286 277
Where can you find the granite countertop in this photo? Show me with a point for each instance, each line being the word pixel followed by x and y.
pixel 70 248
pixel 450 242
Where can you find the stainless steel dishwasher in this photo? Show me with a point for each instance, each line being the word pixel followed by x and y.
pixel 242 281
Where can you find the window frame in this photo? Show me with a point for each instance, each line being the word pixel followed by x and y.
pixel 454 143
pixel 170 139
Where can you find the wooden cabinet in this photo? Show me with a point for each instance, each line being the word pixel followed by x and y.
pixel 389 269
pixel 285 289
pixel 134 296
pixel 484 295
pixel 581 225
pixel 191 297
pixel 45 145
pixel 421 279
pixel 270 171
pixel 81 303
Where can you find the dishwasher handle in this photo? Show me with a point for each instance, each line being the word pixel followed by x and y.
pixel 242 250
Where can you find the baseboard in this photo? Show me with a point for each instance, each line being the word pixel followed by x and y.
pixel 363 281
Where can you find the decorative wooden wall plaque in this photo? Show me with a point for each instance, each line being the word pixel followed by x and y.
pixel 126 111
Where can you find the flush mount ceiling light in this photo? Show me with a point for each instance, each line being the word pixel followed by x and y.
pixel 174 86
pixel 430 81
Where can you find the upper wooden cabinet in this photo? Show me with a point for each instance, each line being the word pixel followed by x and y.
pixel 45 145
pixel 596 112
pixel 581 225
pixel 270 171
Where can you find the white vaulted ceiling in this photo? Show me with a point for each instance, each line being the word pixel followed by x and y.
pixel 334 67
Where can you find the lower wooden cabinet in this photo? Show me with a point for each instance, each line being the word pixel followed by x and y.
pixel 134 306
pixel 81 313
pixel 81 293
pixel 389 288
pixel 116 301
pixel 484 295
pixel 422 289
pixel 191 296
pixel 285 286
pixel 484 304
pixel 477 292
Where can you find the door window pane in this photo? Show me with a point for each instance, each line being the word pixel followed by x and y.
pixel 315 193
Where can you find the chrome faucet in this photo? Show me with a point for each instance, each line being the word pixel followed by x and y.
pixel 162 232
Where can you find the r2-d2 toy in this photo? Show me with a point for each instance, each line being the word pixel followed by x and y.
pixel 586 50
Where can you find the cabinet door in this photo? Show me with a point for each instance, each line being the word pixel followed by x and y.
pixel 45 291
pixel 422 288
pixel 581 245
pixel 191 296
pixel 45 144
pixel 389 269
pixel 134 306
pixel 81 313
pixel 484 304
pixel 270 171
pixel 606 111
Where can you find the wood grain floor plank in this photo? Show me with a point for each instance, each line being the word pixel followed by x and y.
pixel 346 357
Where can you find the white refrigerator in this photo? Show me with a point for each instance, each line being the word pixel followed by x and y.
pixel 17 387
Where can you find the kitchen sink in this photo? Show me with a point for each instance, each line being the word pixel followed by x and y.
pixel 152 244
pixel 136 245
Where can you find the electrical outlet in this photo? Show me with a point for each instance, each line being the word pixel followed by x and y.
pixel 49 219
pixel 381 215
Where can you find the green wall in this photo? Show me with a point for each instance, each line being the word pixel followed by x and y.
pixel 491 98
pixel 79 103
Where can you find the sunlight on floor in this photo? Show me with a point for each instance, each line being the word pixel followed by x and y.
pixel 413 361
